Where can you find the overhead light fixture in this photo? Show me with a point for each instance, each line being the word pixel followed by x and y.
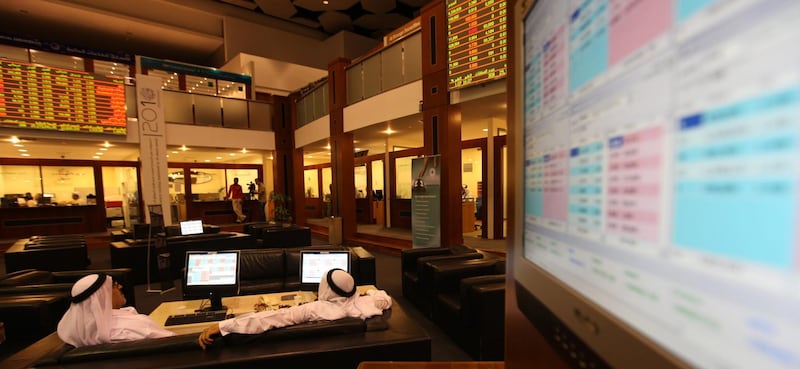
pixel 22 150
pixel 232 154
pixel 174 152
pixel 184 148
pixel 106 144
pixel 103 148
pixel 19 145
pixel 327 147
pixel 98 153
pixel 218 158
pixel 325 2
pixel 25 154
pixel 207 161
pixel 244 151
pixel 95 157
pixel 14 139
pixel 389 131
pixel 485 130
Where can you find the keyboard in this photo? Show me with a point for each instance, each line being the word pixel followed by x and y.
pixel 197 317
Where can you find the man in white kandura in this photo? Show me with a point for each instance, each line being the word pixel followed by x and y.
pixel 96 315
pixel 336 299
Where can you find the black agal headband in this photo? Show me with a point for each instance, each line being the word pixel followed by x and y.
pixel 101 278
pixel 338 290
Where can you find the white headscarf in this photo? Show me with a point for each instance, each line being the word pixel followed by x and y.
pixel 88 322
pixel 356 306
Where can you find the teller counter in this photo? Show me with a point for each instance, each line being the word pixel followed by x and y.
pixel 221 212
pixel 22 222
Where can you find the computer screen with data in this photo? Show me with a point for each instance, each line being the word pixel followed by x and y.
pixel 190 227
pixel 212 275
pixel 315 263
pixel 660 172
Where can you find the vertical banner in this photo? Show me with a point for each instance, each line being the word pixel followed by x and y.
pixel 153 144
pixel 426 230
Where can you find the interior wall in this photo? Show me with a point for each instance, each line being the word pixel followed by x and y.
pixel 250 38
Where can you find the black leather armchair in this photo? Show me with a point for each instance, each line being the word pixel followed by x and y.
pixel 412 263
pixel 468 304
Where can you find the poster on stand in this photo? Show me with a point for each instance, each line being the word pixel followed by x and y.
pixel 426 230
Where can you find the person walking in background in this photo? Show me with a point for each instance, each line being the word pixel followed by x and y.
pixel 237 197
pixel 262 198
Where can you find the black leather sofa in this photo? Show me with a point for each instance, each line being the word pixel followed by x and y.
pixel 51 253
pixel 415 277
pixel 277 270
pixel 469 305
pixel 132 253
pixel 277 235
pixel 342 343
pixel 33 301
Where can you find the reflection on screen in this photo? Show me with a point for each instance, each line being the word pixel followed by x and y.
pixel 662 166
pixel 212 269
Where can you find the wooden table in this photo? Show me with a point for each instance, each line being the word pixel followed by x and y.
pixel 237 305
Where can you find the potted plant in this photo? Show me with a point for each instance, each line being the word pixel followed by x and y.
pixel 280 204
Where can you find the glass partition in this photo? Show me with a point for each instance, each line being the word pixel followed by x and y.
pixel 69 185
pixel 360 172
pixel 208 184
pixel 377 178
pixel 121 192
pixel 16 180
pixel 311 177
pixel 403 177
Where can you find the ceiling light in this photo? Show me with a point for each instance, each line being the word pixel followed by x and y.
pixel 174 152
pixel 103 148
pixel 14 139
pixel 98 153
pixel 184 148
pixel 106 144
pixel 19 145
pixel 22 150
pixel 271 158
pixel 232 154
pixel 485 130
pixel 244 151
pixel 95 157
pixel 327 147
pixel 207 161
pixel 25 154
pixel 389 131
pixel 218 158
pixel 325 2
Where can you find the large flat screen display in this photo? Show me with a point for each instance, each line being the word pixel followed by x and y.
pixel 54 99
pixel 476 42
pixel 661 174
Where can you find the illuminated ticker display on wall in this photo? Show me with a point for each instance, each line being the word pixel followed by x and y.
pixel 38 97
pixel 476 42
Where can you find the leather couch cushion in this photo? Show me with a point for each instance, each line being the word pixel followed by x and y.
pixel 182 342
pixel 262 264
pixel 26 276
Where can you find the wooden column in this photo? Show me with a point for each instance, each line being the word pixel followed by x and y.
pixel 342 157
pixel 284 159
pixel 442 122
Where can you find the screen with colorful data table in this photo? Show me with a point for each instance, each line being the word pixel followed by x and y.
pixel 476 42
pixel 661 169
pixel 54 99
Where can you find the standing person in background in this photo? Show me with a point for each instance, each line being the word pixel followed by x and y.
pixel 262 198
pixel 237 196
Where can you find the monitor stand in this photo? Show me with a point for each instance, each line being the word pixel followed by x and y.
pixel 216 303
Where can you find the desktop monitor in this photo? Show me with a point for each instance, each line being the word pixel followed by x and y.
pixel 190 227
pixel 213 274
pixel 655 151
pixel 314 264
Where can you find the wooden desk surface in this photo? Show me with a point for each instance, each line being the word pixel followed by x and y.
pixel 432 365
pixel 237 305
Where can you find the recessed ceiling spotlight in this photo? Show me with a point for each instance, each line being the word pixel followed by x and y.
pixel 22 150
pixel 95 157
pixel 174 152
pixel 24 154
pixel 14 139
pixel 232 154
pixel 103 148
pixel 98 153
pixel 19 145
pixel 184 148
pixel 106 144
pixel 389 131
pixel 325 2
pixel 207 161
pixel 485 130
pixel 218 158
pixel 327 147
pixel 244 151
